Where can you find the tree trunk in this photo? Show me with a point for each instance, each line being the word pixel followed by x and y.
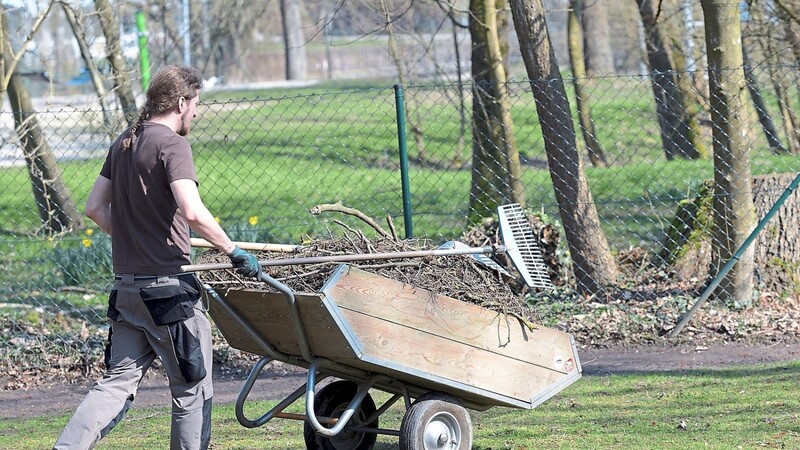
pixel 773 61
pixel 672 120
pixel 395 53
pixel 593 266
pixel 761 107
pixel 687 247
pixel 597 42
pixel 86 54
pixel 463 121
pixel 791 25
pixel 115 59
pixel 293 40
pixel 574 35
pixel 777 247
pixel 734 212
pixel 496 169
pixel 57 211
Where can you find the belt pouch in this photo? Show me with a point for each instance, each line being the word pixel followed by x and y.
pixel 169 303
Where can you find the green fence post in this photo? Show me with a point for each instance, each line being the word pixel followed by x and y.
pixel 401 141
pixel 144 53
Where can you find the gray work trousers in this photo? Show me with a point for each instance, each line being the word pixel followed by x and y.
pixel 135 340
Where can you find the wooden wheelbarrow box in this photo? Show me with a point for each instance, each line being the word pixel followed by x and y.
pixel 428 342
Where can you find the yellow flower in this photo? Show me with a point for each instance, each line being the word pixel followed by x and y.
pixel 253 220
pixel 89 231
pixel 86 242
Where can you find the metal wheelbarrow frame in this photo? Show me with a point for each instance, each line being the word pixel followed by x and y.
pixel 366 330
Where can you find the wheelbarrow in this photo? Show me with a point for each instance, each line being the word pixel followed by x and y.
pixel 439 355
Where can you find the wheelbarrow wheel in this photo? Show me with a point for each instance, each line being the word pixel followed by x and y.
pixel 436 421
pixel 332 401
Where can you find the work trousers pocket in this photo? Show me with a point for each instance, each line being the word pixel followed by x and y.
pixel 188 352
pixel 170 303
pixel 112 312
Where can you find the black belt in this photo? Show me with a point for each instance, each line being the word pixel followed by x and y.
pixel 180 276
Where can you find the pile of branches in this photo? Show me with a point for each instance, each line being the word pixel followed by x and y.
pixel 457 276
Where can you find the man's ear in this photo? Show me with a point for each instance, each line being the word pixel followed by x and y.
pixel 181 104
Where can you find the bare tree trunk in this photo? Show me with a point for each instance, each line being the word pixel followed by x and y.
pixel 496 170
pixel 592 264
pixel 411 117
pixel 574 39
pixel 790 17
pixel 761 107
pixel 86 54
pixel 734 211
pixel 56 208
pixel 675 129
pixel 115 59
pixel 773 59
pixel 596 37
pixel 458 158
pixel 293 40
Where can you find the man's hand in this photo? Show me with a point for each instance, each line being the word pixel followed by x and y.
pixel 246 263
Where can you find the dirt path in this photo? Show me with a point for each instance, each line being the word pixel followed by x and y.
pixel 63 399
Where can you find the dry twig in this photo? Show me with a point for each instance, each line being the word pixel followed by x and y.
pixel 338 207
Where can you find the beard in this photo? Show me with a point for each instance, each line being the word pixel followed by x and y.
pixel 184 129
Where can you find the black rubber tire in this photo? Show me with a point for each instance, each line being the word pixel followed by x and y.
pixel 436 421
pixel 331 401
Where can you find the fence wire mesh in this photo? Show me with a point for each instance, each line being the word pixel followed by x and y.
pixel 264 162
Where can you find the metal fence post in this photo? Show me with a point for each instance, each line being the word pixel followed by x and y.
pixel 401 141
pixel 735 258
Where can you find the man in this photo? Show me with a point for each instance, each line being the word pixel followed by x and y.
pixel 146 198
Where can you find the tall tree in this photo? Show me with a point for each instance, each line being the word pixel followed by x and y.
pixel 596 42
pixel 673 119
pixel 79 31
pixel 592 264
pixel 574 44
pixel 396 54
pixel 734 211
pixel 293 39
pixel 764 118
pixel 57 210
pixel 119 67
pixel 763 20
pixel 496 171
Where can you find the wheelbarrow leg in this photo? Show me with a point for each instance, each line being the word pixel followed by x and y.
pixel 277 409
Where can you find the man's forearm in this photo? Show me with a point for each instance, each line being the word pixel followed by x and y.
pixel 103 219
pixel 208 228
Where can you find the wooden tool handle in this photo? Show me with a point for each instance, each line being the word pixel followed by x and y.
pixel 252 246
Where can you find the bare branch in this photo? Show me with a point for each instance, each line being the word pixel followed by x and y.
pixel 12 64
pixel 338 207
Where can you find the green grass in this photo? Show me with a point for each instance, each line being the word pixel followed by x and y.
pixel 739 407
pixel 274 154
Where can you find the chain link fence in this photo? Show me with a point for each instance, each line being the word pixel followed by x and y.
pixel 264 162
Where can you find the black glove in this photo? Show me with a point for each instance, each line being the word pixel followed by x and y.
pixel 245 263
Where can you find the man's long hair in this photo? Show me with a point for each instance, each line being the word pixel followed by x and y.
pixel 166 88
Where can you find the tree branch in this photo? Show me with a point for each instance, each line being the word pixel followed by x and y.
pixel 9 69
pixel 338 207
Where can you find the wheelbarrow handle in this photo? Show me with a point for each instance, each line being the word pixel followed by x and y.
pixel 359 257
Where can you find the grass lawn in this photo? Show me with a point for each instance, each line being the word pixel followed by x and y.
pixel 744 407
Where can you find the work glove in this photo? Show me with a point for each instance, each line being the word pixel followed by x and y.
pixel 245 263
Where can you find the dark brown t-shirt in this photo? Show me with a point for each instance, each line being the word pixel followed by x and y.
pixel 150 236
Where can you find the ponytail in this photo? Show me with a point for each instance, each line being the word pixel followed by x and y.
pixel 128 142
